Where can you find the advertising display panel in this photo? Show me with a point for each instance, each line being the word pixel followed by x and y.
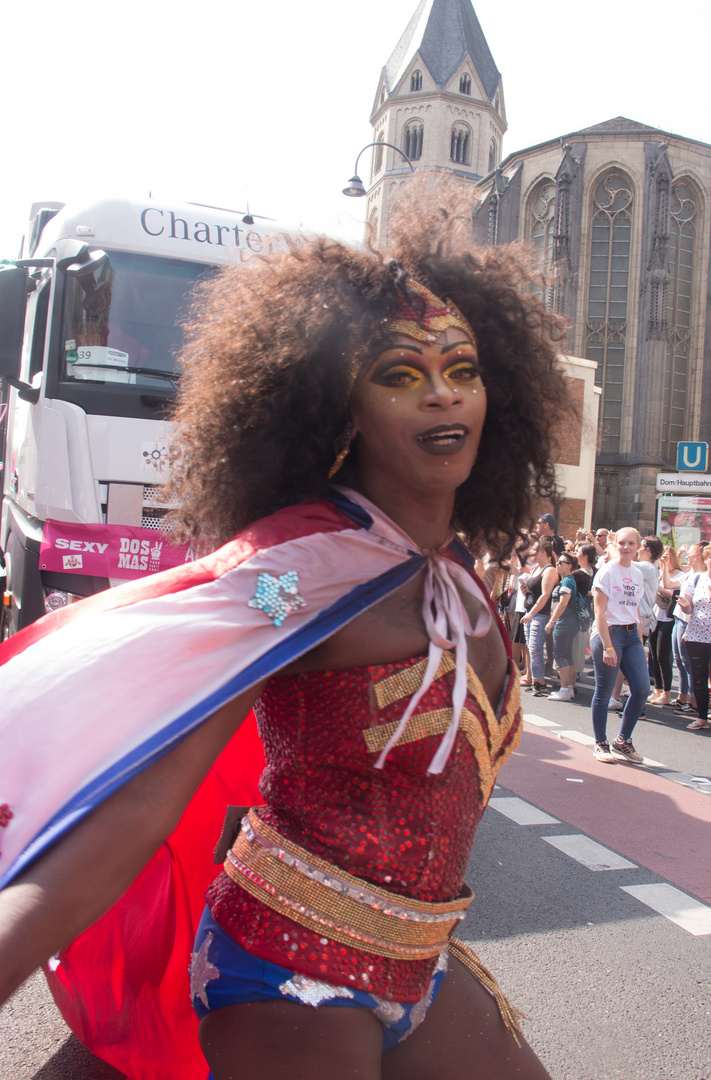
pixel 684 520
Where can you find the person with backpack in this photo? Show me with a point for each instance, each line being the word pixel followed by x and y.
pixel 563 625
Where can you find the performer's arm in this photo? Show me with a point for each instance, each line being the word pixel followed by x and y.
pixel 75 882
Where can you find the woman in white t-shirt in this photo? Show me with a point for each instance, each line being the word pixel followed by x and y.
pixel 616 643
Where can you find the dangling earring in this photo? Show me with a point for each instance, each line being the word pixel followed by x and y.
pixel 345 443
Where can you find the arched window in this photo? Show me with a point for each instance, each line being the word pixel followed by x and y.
pixel 459 145
pixel 542 229
pixel 415 81
pixel 378 159
pixel 412 140
pixel 465 85
pixel 493 156
pixel 606 327
pixel 374 224
pixel 680 253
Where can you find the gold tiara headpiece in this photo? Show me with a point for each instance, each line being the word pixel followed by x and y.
pixel 424 318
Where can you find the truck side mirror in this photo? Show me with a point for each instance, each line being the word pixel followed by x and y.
pixel 14 287
pixel 88 265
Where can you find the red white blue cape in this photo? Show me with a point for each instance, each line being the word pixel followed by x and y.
pixel 97 692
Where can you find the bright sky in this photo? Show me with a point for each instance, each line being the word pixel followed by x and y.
pixel 220 102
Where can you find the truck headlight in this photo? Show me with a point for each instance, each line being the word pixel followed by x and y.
pixel 58 598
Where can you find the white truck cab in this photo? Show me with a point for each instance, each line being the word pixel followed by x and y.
pixel 90 328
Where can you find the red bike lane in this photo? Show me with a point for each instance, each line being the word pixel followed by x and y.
pixel 651 820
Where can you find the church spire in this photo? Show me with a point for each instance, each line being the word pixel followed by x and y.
pixel 444 32
pixel 440 99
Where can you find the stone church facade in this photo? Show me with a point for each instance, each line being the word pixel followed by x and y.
pixel 618 219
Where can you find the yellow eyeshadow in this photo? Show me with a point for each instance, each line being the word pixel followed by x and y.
pixel 391 375
pixel 464 368
pixel 402 369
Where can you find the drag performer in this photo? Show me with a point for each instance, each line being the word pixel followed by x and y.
pixel 357 424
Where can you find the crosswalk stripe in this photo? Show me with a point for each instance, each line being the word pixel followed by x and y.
pixel 589 852
pixel 522 812
pixel 680 908
pixel 577 736
pixel 539 721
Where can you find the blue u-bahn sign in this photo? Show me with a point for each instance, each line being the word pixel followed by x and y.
pixel 692 456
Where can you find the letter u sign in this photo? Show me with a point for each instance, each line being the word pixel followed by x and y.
pixel 692 456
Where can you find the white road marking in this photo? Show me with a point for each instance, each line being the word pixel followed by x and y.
pixel 521 812
pixel 589 852
pixel 694 783
pixel 577 736
pixel 678 907
pixel 675 905
pixel 539 721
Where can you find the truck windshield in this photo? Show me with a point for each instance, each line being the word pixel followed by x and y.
pixel 121 325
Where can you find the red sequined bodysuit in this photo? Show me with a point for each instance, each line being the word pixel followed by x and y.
pixel 400 828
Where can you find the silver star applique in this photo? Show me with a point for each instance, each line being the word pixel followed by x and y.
pixel 202 971
pixel 277 597
pixel 312 991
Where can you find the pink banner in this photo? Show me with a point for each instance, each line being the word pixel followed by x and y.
pixel 114 551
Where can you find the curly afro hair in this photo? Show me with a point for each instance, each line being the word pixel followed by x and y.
pixel 268 369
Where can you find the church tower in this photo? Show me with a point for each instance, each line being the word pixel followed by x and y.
pixel 440 100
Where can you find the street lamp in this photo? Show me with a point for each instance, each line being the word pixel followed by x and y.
pixel 355 187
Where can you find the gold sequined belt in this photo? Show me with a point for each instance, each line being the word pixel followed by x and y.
pixel 326 899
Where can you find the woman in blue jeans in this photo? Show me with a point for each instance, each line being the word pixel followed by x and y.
pixel 686 701
pixel 539 589
pixel 616 644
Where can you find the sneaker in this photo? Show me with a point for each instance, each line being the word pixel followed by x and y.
pixel 615 703
pixel 602 753
pixel 685 707
pixel 564 694
pixel 625 749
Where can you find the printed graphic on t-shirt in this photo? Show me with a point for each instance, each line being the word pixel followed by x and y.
pixel 626 593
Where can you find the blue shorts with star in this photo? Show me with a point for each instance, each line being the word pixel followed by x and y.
pixel 223 973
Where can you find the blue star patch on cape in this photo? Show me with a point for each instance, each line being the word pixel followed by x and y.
pixel 278 597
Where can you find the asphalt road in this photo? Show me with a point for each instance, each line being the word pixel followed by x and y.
pixel 614 989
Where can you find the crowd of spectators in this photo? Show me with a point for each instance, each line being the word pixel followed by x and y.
pixel 636 606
